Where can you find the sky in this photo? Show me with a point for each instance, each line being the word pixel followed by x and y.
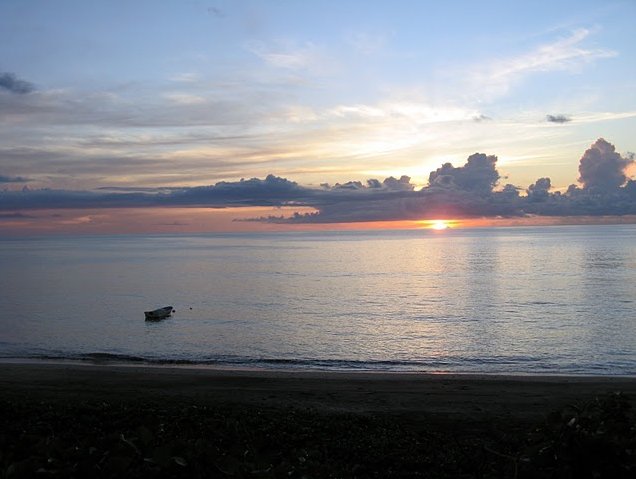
pixel 181 116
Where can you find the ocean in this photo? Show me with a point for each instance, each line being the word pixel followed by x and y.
pixel 522 300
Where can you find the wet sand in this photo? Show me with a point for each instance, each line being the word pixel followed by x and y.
pixel 474 396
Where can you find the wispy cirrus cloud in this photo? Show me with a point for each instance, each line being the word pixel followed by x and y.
pixel 593 117
pixel 290 55
pixel 186 77
pixel 367 43
pixel 564 54
pixel 184 98
pixel 413 111
pixel 108 109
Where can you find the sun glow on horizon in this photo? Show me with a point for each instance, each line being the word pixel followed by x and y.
pixel 440 224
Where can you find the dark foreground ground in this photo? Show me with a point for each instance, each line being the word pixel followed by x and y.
pixel 110 421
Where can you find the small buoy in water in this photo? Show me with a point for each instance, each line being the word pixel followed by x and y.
pixel 190 308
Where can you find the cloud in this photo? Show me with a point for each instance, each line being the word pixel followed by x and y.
pixel 173 223
pixel 601 168
pixel 367 43
pixel 479 174
pixel 464 192
pixel 271 191
pixel 401 184
pixel 453 192
pixel 187 77
pixel 14 216
pixel 54 199
pixel 415 112
pixel 557 118
pixel 605 116
pixel 11 83
pixel 564 54
pixel 539 190
pixel 13 179
pixel 134 109
pixel 289 56
pixel 139 189
pixel 181 98
pixel 216 12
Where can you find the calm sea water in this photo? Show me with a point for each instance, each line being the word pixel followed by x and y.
pixel 545 300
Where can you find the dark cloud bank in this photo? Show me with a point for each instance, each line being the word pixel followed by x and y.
pixel 13 179
pixel 11 83
pixel 454 192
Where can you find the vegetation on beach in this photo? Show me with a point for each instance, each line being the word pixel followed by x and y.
pixel 151 439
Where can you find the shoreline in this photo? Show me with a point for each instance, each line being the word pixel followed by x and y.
pixel 220 367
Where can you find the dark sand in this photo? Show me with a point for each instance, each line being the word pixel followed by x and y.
pixel 347 424
pixel 448 395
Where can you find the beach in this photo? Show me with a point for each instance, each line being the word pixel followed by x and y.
pixel 277 423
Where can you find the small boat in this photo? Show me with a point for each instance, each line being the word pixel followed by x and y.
pixel 157 314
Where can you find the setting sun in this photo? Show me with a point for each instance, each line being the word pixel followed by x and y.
pixel 439 225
